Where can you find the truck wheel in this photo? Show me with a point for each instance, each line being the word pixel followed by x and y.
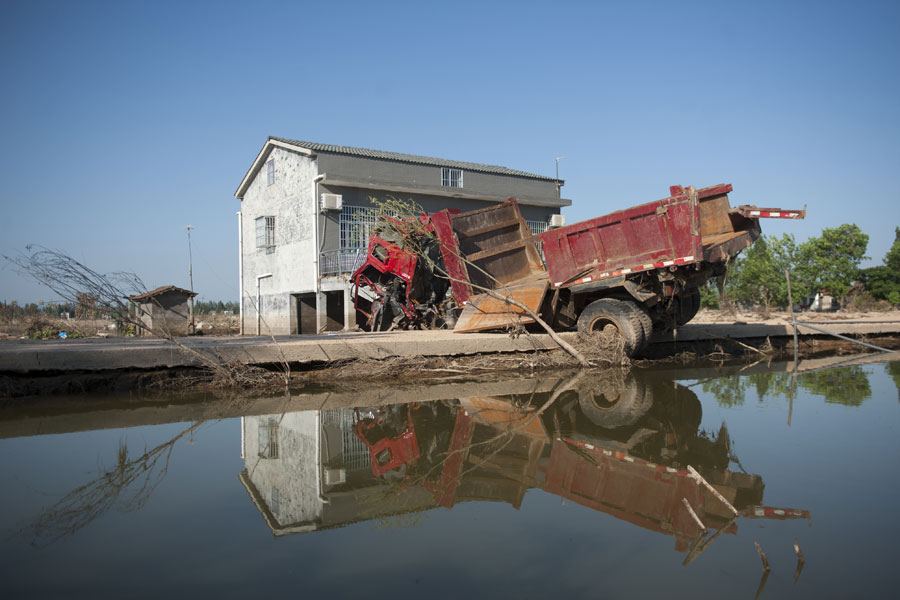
pixel 614 402
pixel 646 323
pixel 688 307
pixel 622 316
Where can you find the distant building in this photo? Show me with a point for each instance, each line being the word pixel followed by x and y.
pixel 163 310
pixel 306 214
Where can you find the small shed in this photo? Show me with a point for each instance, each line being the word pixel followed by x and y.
pixel 163 311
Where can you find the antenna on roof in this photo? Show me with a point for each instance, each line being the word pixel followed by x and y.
pixel 558 193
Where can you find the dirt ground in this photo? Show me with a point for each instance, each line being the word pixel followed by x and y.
pixel 38 327
pixel 780 317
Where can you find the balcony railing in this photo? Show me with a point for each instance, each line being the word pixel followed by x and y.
pixel 343 260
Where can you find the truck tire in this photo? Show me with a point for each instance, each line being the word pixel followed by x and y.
pixel 688 307
pixel 615 402
pixel 624 316
pixel 646 323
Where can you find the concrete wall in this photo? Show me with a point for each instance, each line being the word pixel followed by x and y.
pixel 290 201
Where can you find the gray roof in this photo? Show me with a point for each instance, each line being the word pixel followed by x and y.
pixel 410 158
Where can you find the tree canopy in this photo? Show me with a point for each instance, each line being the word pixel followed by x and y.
pixel 826 262
pixel 883 281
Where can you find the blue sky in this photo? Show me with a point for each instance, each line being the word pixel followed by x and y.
pixel 122 122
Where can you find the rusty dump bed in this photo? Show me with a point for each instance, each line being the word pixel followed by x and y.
pixel 690 226
pixel 500 251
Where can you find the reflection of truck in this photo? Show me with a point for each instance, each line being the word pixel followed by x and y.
pixel 633 270
pixel 630 464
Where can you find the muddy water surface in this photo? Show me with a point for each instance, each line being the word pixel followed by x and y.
pixel 523 488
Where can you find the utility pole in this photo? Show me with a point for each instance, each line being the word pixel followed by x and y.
pixel 191 273
pixel 558 192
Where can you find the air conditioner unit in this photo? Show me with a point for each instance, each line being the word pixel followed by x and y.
pixel 557 221
pixel 332 201
pixel 335 476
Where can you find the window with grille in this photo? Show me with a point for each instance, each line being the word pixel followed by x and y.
pixel 451 177
pixel 265 233
pixel 537 226
pixel 357 223
pixel 354 453
pixel 270 172
pixel 268 438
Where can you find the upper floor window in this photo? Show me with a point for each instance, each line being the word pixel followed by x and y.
pixel 357 223
pixel 451 177
pixel 265 234
pixel 537 226
pixel 270 172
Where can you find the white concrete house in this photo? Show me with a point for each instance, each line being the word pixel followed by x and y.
pixel 306 211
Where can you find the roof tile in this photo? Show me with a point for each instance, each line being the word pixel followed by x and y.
pixel 411 158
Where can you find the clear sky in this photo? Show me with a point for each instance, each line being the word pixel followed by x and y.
pixel 122 122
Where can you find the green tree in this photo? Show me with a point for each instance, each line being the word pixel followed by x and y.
pixel 893 369
pixel 831 261
pixel 883 281
pixel 755 278
pixel 728 391
pixel 709 295
pixel 892 258
pixel 844 385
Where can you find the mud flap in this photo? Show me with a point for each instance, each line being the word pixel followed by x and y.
pixel 484 311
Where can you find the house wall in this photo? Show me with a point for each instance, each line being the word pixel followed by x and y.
pixel 423 177
pixel 289 483
pixel 429 203
pixel 290 201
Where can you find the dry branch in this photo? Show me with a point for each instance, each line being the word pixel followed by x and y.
pixel 77 283
pixel 762 556
pixel 694 516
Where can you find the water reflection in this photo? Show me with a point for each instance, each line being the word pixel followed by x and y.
pixel 125 486
pixel 618 443
pixel 838 385
pixel 893 369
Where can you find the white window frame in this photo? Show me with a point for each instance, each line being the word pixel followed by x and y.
pixel 451 177
pixel 265 233
pixel 270 172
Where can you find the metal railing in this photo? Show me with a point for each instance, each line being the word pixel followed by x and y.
pixel 340 261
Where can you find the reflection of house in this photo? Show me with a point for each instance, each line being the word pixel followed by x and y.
pixel 307 212
pixel 308 470
pixel 164 310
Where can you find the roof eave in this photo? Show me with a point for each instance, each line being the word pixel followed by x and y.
pixel 264 152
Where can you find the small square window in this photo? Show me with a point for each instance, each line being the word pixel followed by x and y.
pixel 451 177
pixel 270 172
pixel 265 234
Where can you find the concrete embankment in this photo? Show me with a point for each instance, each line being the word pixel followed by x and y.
pixel 60 415
pixel 31 356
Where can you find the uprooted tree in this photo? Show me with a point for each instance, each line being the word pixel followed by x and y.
pixel 107 293
pixel 399 220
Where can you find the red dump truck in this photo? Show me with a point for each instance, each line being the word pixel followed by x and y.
pixel 635 270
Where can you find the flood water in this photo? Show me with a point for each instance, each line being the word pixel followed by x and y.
pixel 526 488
